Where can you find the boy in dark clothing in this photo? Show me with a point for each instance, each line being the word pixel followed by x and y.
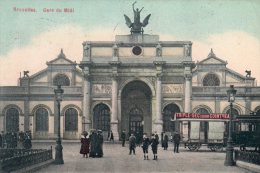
pixel 146 143
pixel 154 145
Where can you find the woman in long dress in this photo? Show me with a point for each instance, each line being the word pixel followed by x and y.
pixel 84 149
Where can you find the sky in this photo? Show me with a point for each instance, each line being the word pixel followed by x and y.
pixel 29 39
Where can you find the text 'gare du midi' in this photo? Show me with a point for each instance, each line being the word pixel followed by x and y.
pixel 135 83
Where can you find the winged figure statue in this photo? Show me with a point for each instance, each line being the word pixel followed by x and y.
pixel 136 26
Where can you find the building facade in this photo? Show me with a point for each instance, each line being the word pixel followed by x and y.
pixel 134 83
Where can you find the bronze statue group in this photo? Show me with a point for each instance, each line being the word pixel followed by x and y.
pixel 92 144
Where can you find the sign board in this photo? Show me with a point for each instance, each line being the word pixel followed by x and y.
pixel 219 116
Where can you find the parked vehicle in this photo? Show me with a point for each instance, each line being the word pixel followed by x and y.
pixel 203 129
pixel 246 133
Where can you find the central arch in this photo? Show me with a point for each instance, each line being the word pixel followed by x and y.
pixel 136 106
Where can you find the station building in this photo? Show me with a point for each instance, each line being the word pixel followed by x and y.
pixel 135 83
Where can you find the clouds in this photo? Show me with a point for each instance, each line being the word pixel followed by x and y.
pixel 240 49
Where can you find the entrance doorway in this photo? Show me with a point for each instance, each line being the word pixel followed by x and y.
pixel 136 114
pixel 136 121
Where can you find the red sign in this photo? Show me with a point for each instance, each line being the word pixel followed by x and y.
pixel 201 116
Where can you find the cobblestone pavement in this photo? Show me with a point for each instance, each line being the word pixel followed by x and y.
pixel 117 159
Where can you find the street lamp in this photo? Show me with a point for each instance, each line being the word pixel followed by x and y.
pixel 231 92
pixel 58 149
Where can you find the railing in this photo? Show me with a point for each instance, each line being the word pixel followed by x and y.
pixel 21 158
pixel 248 156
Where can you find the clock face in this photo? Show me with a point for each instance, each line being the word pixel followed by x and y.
pixel 137 50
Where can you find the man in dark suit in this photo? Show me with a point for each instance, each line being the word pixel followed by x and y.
pixel 176 140
pixel 123 137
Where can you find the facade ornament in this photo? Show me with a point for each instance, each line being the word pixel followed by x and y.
pixel 188 76
pixel 115 50
pixel 158 50
pixel 137 26
pixel 211 54
pixel 86 50
pixel 248 73
pixel 187 49
pixel 61 55
pixel 26 74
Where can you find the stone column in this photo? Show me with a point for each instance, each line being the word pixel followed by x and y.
pixel 158 122
pixel 114 118
pixel 86 103
pixel 187 98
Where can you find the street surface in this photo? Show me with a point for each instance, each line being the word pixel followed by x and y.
pixel 117 159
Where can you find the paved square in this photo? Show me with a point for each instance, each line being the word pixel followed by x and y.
pixel 117 159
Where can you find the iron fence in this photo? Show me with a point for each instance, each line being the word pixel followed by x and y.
pixel 14 159
pixel 248 156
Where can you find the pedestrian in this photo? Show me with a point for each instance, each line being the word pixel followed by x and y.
pixel 93 143
pixel 85 141
pixel 162 134
pixel 110 136
pixel 145 145
pixel 176 140
pixel 123 137
pixel 165 141
pixel 154 145
pixel 132 144
pixel 27 141
pixel 100 141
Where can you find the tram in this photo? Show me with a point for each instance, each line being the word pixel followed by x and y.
pixel 246 132
pixel 203 129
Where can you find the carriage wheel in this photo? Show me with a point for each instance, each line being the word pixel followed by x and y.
pixel 193 147
pixel 216 148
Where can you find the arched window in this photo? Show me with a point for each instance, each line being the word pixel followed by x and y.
pixel 102 117
pixel 61 79
pixel 71 120
pixel 42 120
pixel 12 120
pixel 168 113
pixel 211 80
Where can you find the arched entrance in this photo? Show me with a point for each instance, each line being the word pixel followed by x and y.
pixel 136 114
pixel 169 126
pixel 101 118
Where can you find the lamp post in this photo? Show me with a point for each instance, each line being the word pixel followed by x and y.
pixel 231 92
pixel 58 149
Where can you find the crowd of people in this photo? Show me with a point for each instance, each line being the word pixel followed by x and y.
pixel 21 140
pixel 92 144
